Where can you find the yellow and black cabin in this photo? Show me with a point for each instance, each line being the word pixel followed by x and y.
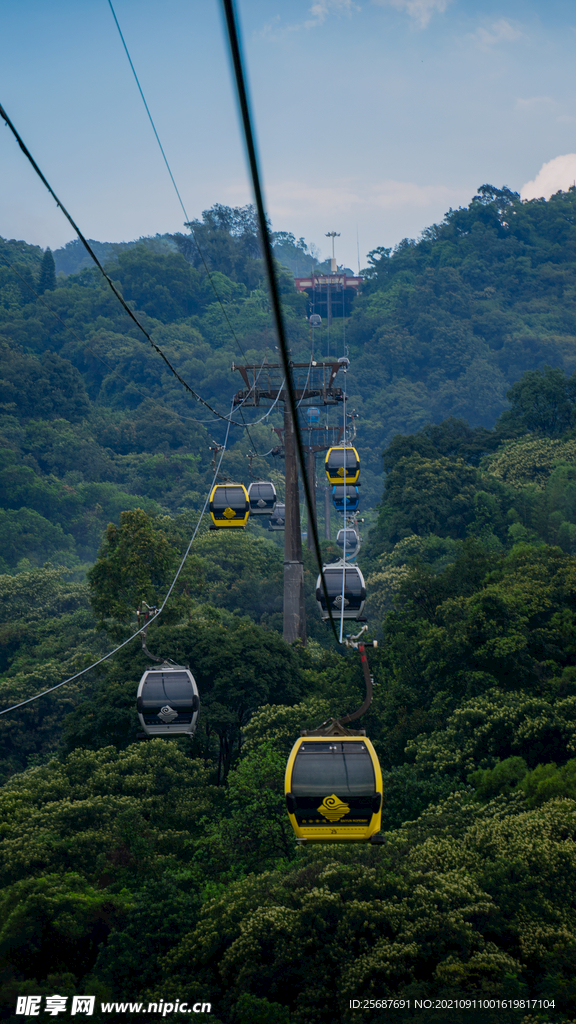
pixel 333 789
pixel 229 506
pixel 342 465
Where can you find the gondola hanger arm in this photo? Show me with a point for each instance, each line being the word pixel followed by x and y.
pixel 360 645
pixel 335 726
pixel 147 611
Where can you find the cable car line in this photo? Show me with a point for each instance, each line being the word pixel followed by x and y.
pixel 106 277
pixel 158 612
pixel 365 783
pixel 242 94
pixel 325 752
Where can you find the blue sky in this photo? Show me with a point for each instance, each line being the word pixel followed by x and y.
pixel 373 117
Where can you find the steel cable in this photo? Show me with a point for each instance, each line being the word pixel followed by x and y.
pixel 243 102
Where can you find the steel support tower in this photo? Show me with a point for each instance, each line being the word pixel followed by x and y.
pixel 266 385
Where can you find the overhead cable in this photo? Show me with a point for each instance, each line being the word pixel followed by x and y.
pixel 243 102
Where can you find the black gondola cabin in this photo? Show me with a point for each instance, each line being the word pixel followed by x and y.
pixel 229 506
pixel 342 465
pixel 167 702
pixel 333 789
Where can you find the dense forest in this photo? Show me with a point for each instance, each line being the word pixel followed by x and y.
pixel 167 869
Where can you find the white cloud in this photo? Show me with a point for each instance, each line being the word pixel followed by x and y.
pixel 322 8
pixel 501 31
pixel 419 11
pixel 558 174
pixel 319 11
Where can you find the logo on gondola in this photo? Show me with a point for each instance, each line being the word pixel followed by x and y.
pixel 341 471
pixel 333 808
pixel 261 503
pixel 167 714
pixel 337 602
pixel 229 513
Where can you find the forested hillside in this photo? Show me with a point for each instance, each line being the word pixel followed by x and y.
pixel 139 871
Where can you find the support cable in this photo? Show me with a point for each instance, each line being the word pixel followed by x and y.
pixel 158 612
pixel 243 102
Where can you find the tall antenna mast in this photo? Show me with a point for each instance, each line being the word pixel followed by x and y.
pixel 333 235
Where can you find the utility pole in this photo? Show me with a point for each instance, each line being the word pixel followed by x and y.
pixel 265 384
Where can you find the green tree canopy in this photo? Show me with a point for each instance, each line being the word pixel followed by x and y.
pixel 47 278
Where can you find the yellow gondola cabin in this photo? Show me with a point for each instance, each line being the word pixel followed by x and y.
pixel 333 789
pixel 342 465
pixel 229 506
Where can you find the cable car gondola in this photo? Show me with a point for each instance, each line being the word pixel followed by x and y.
pixel 262 498
pixel 312 415
pixel 333 788
pixel 342 465
pixel 229 506
pixel 346 497
pixel 167 702
pixel 278 518
pixel 352 545
pixel 354 591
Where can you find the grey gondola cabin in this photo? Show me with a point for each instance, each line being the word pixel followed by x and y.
pixel 167 702
pixel 349 542
pixel 229 506
pixel 278 518
pixel 333 789
pixel 345 585
pixel 262 498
